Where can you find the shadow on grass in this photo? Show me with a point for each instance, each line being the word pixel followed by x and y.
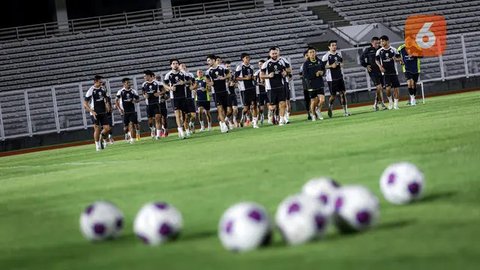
pixel 437 196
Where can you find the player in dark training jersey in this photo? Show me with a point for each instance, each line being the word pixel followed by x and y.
pixel 385 59
pixel 97 105
pixel 232 108
pixel 246 84
pixel 313 70
pixel 175 82
pixel 367 60
pixel 274 72
pixel 202 97
pixel 262 95
pixel 125 103
pixel 411 68
pixel 190 114
pixel 333 62
pixel 151 91
pixel 306 94
pixel 216 78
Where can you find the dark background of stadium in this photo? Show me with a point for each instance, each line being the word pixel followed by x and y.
pixel 26 12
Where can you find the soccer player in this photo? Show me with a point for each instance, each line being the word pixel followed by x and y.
pixel 313 70
pixel 244 76
pixel 125 103
pixel 286 83
pixel 190 114
pixel 274 73
pixel 97 105
pixel 385 59
pixel 175 82
pixel 110 118
pixel 367 60
pixel 163 108
pixel 151 92
pixel 232 109
pixel 333 62
pixel 262 95
pixel 202 97
pixel 306 94
pixel 411 68
pixel 216 78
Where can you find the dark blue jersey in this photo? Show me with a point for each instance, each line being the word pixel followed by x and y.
pixel 368 59
pixel 310 69
pixel 202 94
pixel 411 64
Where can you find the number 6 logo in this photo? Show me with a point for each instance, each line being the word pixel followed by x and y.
pixel 425 35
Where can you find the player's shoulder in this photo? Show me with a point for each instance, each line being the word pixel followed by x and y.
pixel 325 56
pixel 339 53
pixel 167 75
pixel 239 67
pixel 380 50
pixel 144 83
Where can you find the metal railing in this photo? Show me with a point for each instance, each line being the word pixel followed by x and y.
pixel 59 108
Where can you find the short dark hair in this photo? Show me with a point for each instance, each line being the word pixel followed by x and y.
pixel 228 62
pixel 211 56
pixel 97 78
pixel 261 61
pixel 124 80
pixel 149 73
pixel 311 48
pixel 173 60
pixel 243 55
pixel 217 57
pixel 272 49
pixel 384 37
pixel 375 38
pixel 331 41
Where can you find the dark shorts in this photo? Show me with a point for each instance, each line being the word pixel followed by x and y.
pixel 190 105
pixel 101 119
pixel 130 118
pixel 377 78
pixel 180 104
pixel 263 99
pixel 249 97
pixel 315 92
pixel 232 100
pixel 204 104
pixel 163 109
pixel 221 99
pixel 337 86
pixel 110 119
pixel 276 95
pixel 411 76
pixel 153 110
pixel 391 80
pixel 287 91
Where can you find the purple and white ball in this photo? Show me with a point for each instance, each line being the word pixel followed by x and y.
pixel 300 218
pixel 157 222
pixel 324 190
pixel 356 209
pixel 101 220
pixel 245 226
pixel 402 183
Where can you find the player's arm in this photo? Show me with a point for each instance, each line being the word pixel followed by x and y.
pixel 86 103
pixel 117 104
pixel 136 97
pixel 107 103
pixel 377 61
pixel 209 80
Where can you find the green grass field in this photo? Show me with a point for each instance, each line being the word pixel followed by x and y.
pixel 42 194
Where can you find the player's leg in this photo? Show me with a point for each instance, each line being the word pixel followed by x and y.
pixel 313 106
pixel 333 93
pixel 389 93
pixel 158 125
pixel 307 99
pixel 253 105
pixel 321 101
pixel 179 121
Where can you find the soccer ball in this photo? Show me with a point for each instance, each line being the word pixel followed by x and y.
pixel 356 209
pixel 157 222
pixel 324 190
pixel 245 226
pixel 300 218
pixel 402 183
pixel 101 220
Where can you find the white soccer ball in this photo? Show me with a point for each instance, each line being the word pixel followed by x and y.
pixel 245 226
pixel 324 190
pixel 356 209
pixel 101 220
pixel 402 183
pixel 300 218
pixel 157 222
